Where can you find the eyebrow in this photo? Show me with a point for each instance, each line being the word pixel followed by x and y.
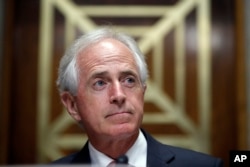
pixel 105 73
pixel 99 74
pixel 129 72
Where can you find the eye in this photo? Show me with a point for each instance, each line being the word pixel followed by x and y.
pixel 130 81
pixel 99 85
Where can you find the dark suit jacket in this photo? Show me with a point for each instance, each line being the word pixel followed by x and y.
pixel 158 155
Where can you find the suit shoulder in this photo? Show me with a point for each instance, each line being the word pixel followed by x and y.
pixel 65 160
pixel 178 156
pixel 191 157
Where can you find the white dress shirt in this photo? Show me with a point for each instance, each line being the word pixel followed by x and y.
pixel 137 154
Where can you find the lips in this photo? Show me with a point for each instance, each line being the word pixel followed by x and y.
pixel 118 113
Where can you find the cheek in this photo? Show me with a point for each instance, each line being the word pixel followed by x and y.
pixel 138 101
pixel 89 114
pixel 90 107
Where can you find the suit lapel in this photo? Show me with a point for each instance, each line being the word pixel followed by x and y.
pixel 157 153
pixel 83 156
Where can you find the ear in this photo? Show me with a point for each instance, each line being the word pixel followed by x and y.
pixel 70 104
pixel 144 88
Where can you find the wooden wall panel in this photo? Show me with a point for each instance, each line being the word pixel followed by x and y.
pixel 225 57
pixel 241 76
pixel 5 80
pixel 20 46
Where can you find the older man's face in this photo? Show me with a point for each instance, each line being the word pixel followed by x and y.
pixel 110 95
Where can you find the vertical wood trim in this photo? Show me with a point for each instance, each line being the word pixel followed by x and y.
pixel 247 54
pixel 204 71
pixel 240 77
pixel 44 75
pixel 6 80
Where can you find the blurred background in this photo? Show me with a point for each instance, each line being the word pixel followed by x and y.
pixel 199 60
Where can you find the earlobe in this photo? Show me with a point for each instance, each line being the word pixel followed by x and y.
pixel 70 104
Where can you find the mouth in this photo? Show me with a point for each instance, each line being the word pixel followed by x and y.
pixel 119 114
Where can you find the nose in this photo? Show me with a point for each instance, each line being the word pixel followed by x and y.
pixel 117 95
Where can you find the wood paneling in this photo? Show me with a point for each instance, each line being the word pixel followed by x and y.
pixel 240 78
pixel 21 53
pixel 224 122
pixel 5 81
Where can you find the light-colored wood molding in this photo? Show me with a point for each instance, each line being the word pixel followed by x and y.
pixel 150 39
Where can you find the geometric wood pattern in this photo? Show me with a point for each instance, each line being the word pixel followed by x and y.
pixel 165 106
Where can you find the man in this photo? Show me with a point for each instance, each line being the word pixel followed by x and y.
pixel 102 81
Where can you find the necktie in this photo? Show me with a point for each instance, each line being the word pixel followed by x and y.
pixel 121 161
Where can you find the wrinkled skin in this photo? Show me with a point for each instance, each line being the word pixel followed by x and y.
pixel 110 97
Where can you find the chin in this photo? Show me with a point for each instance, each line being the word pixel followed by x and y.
pixel 124 130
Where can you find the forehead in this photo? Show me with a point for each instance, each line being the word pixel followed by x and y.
pixel 105 53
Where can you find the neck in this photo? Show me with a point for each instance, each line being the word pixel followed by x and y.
pixel 114 147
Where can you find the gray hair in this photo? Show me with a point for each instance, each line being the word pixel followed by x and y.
pixel 68 69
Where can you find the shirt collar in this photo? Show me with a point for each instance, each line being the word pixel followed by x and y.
pixel 97 157
pixel 137 154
